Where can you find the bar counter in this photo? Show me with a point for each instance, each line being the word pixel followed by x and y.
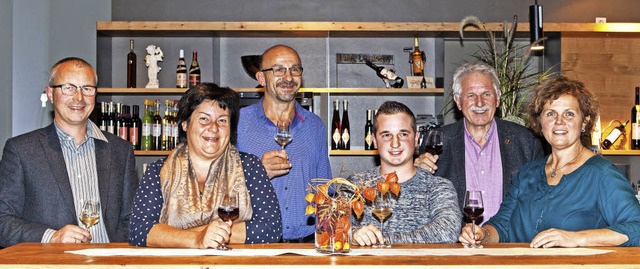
pixel 36 255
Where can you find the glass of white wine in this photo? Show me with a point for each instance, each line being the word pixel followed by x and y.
pixel 283 136
pixel 90 213
pixel 381 209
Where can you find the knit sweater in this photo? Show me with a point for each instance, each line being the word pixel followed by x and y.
pixel 426 210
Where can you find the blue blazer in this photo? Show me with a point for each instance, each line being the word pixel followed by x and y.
pixel 517 147
pixel 35 193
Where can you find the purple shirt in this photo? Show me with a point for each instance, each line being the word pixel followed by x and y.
pixel 483 169
pixel 308 154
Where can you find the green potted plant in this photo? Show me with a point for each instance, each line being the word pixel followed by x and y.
pixel 512 64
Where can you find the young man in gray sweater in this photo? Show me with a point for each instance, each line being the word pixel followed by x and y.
pixel 426 209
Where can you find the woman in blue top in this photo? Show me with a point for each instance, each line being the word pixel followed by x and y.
pixel 177 201
pixel 572 198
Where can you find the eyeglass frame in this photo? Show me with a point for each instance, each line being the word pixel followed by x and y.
pixel 83 91
pixel 286 69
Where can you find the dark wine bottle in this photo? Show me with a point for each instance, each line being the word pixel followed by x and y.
pixel 131 66
pixel 635 120
pixel 344 128
pixel 417 59
pixel 181 72
pixel 135 134
pixel 194 71
pixel 368 131
pixel 388 76
pixel 614 135
pixel 111 120
pixel 104 116
pixel 123 127
pixel 175 127
pixel 156 127
pixel 335 127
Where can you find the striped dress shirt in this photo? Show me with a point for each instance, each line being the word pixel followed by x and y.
pixel 83 176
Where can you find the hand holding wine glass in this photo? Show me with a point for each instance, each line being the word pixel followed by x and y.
pixel 283 136
pixel 473 207
pixel 381 209
pixel 434 142
pixel 90 213
pixel 228 211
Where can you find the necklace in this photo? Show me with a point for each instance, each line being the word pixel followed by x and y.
pixel 553 173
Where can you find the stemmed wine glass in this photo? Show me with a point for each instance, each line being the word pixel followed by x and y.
pixel 90 213
pixel 228 211
pixel 434 142
pixel 283 136
pixel 381 209
pixel 473 207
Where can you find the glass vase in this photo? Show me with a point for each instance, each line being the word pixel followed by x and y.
pixel 333 226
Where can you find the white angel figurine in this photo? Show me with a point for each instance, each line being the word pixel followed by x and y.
pixel 151 61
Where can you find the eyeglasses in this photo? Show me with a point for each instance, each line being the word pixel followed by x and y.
pixel 279 71
pixel 71 89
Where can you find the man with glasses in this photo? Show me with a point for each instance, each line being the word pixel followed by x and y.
pixel 304 158
pixel 46 174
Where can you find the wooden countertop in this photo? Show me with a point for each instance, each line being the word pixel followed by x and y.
pixel 36 255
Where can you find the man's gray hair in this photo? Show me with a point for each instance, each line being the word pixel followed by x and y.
pixel 477 67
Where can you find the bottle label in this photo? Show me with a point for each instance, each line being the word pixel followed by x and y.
pixel 635 131
pixel 174 131
pixel 336 136
pixel 181 80
pixel 146 129
pixel 156 130
pixel 123 132
pixel 166 130
pixel 133 136
pixel 194 80
pixel 345 136
pixel 368 139
pixel 110 129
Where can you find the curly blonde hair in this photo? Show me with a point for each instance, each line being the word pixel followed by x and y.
pixel 550 90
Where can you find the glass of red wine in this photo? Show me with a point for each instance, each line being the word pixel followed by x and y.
pixel 434 142
pixel 228 211
pixel 473 207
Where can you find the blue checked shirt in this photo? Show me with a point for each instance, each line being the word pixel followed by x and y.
pixel 308 154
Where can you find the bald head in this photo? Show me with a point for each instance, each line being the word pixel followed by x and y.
pixel 272 53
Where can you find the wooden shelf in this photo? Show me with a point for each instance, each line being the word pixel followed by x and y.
pixel 317 28
pixel 613 152
pixel 311 90
pixel 151 152
pixel 357 152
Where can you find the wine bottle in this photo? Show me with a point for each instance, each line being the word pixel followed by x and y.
pixel 335 127
pixel 123 122
pixel 388 76
pixel 181 72
pixel 423 83
pixel 103 116
pixel 344 128
pixel 131 66
pixel 167 128
pixel 614 135
pixel 194 71
pixel 134 128
pixel 175 126
pixel 111 120
pixel 368 132
pixel 635 121
pixel 145 140
pixel 156 127
pixel 417 59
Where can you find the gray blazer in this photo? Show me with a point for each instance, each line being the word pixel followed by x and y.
pixel 517 147
pixel 35 193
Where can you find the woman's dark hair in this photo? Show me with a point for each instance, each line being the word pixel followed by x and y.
pixel 550 90
pixel 196 95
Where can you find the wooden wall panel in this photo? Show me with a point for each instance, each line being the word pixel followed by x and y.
pixel 608 66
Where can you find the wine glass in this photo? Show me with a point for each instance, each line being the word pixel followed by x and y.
pixel 228 211
pixel 381 209
pixel 283 136
pixel 473 207
pixel 90 213
pixel 434 142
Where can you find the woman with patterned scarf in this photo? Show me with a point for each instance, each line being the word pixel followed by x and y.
pixel 177 201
